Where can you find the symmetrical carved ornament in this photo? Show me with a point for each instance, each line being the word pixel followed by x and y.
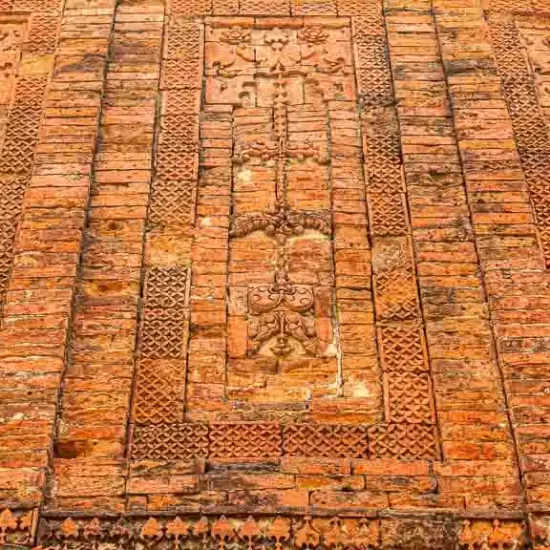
pixel 281 309
pixel 17 527
pixel 277 58
pixel 279 533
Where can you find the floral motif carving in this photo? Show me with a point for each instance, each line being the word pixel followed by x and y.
pixel 220 532
pixel 278 533
pixel 281 308
pixel 17 527
pixel 489 535
pixel 281 319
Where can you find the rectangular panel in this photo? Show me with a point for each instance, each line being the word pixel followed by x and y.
pixel 274 91
pixel 524 84
pixel 283 304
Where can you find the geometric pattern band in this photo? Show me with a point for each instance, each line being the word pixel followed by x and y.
pixel 271 440
pixel 531 130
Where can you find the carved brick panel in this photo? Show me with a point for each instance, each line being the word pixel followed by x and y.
pixel 522 50
pixel 281 533
pixel 280 251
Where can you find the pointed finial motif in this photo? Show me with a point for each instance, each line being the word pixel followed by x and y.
pixel 222 531
pixel 307 537
pixel 151 529
pixel 201 528
pixel 92 529
pixel 334 537
pixel 69 528
pixel 250 531
pixel 7 522
pixel 279 531
pixel 177 528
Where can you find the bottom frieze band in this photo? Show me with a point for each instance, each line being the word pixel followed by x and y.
pixel 19 529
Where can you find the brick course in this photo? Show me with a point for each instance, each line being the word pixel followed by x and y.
pixel 274 275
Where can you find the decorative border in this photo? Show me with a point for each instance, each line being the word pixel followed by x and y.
pixel 531 129
pixel 160 432
pixel 280 532
pixel 25 528
pixel 255 440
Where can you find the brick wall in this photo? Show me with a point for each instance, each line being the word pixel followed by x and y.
pixel 274 274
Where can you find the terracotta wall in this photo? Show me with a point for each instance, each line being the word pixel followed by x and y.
pixel 274 274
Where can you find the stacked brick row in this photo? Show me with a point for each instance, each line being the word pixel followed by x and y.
pixel 465 372
pixel 51 164
pixel 498 191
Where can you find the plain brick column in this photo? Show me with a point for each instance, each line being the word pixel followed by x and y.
pixel 91 432
pixel 478 452
pixel 37 307
pixel 488 115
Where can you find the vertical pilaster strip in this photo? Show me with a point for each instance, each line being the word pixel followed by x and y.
pixel 37 306
pixel 530 127
pixel 408 400
pixel 515 280
pixel 16 164
pixel 98 378
pixel 29 41
pixel 467 383
pixel 27 384
pixel 360 376
pixel 160 384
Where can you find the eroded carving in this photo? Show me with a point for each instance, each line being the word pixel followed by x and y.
pixel 277 63
pixel 280 533
pixel 17 527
